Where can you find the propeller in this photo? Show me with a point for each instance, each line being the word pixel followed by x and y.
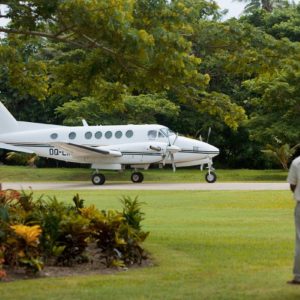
pixel 171 149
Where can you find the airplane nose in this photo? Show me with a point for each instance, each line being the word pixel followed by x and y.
pixel 214 151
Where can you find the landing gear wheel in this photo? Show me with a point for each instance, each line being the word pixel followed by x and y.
pixel 211 177
pixel 137 177
pixel 98 179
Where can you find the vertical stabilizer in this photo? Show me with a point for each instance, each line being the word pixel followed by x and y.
pixel 7 122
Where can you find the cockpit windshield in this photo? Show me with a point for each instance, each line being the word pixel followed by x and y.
pixel 166 132
pixel 162 133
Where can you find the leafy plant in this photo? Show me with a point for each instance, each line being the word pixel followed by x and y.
pixel 49 216
pixel 119 235
pixel 132 211
pixel 26 200
pixel 281 153
pixel 9 197
pixel 22 247
pixel 22 158
pixel 29 234
pixel 79 203
pixel 2 271
pixel 107 235
pixel 74 231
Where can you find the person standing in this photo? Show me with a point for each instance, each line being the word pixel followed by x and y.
pixel 294 181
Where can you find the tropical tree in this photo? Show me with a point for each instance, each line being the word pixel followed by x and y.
pixel 281 23
pixel 281 153
pixel 108 50
pixel 266 5
pixel 134 109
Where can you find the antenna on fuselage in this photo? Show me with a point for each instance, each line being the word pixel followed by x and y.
pixel 84 123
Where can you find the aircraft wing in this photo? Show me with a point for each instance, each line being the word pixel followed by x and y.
pixel 14 148
pixel 80 150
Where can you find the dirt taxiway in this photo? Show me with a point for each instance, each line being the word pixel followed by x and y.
pixel 225 186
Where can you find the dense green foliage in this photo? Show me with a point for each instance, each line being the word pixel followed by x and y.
pixel 34 233
pixel 171 62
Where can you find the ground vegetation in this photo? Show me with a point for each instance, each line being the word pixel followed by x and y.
pixel 39 233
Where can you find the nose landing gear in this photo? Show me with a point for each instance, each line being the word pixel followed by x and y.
pixel 210 176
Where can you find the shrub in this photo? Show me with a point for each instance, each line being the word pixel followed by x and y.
pixel 118 235
pixel 22 159
pixel 34 232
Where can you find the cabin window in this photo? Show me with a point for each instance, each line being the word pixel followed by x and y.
pixel 54 136
pixel 108 134
pixel 152 134
pixel 98 135
pixel 88 135
pixel 118 134
pixel 72 135
pixel 129 133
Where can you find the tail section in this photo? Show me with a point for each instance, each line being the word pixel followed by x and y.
pixel 7 122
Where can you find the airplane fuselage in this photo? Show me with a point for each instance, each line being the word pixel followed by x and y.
pixel 133 141
pixel 106 147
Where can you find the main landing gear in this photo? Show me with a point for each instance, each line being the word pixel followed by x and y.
pixel 137 177
pixel 99 179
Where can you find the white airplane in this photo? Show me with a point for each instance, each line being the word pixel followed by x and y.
pixel 106 147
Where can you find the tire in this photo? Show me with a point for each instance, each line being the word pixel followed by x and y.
pixel 211 178
pixel 137 177
pixel 98 179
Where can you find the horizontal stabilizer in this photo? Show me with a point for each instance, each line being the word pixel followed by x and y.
pixel 14 148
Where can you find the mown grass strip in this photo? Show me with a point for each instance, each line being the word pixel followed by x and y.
pixel 206 245
pixel 18 173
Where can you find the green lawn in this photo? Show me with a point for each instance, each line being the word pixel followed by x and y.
pixel 206 245
pixel 12 174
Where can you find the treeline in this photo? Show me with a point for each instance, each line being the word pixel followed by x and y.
pixel 155 61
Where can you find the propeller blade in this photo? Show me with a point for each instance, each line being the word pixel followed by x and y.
pixel 164 159
pixel 173 162
pixel 175 138
pixel 208 134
